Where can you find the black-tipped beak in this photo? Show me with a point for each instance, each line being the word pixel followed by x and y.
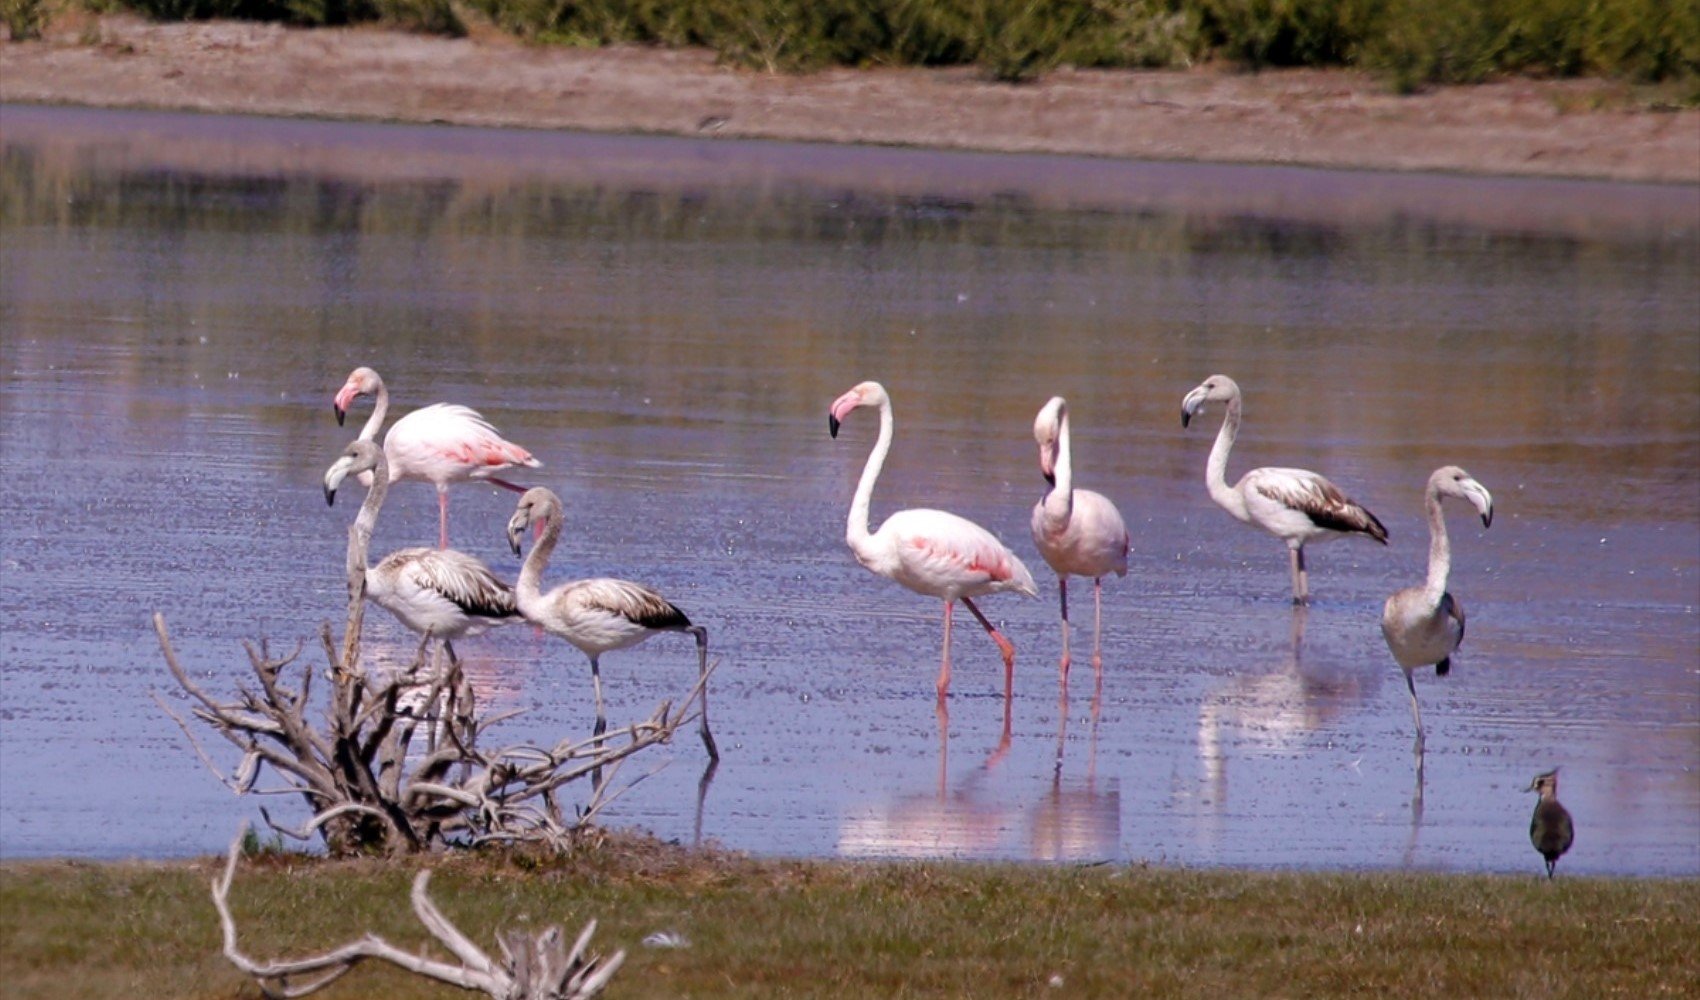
pixel 1487 519
pixel 832 425
pixel 1050 478
pixel 1186 417
pixel 340 413
pixel 330 497
pixel 515 533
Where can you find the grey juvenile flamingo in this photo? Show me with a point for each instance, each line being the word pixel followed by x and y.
pixel 595 615
pixel 1425 625
pixel 1294 505
pixel 437 593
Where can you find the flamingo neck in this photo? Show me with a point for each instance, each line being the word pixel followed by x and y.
pixel 856 531
pixel 360 532
pixel 1439 549
pixel 528 589
pixel 1059 503
pixel 380 410
pixel 1216 470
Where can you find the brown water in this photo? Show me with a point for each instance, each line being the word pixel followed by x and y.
pixel 664 323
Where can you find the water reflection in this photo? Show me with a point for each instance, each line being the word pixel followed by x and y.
pixel 660 323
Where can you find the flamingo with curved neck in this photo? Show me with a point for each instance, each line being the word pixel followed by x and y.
pixel 1078 532
pixel 1424 625
pixel 597 615
pixel 440 444
pixel 931 552
pixel 438 593
pixel 1294 505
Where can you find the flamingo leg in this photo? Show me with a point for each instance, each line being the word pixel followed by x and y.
pixel 601 719
pixel 1301 582
pixel 702 673
pixel 442 517
pixel 1416 713
pixel 1097 628
pixel 944 665
pixel 1067 659
pixel 1005 648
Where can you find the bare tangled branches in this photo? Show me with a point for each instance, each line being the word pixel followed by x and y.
pixel 532 967
pixel 397 763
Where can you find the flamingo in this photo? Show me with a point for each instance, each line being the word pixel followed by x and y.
pixel 1425 625
pixel 1294 505
pixel 1550 828
pixel 438 593
pixel 931 552
pixel 596 615
pixel 1079 532
pixel 439 444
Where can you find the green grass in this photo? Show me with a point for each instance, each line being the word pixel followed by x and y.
pixel 830 929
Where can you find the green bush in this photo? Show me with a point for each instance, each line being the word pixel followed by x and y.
pixel 1412 42
pixel 24 18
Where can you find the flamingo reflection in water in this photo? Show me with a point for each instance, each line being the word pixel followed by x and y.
pixel 1274 713
pixel 1078 820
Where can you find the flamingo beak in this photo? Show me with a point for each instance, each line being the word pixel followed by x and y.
pixel 1193 402
pixel 832 425
pixel 516 530
pixel 340 413
pixel 333 478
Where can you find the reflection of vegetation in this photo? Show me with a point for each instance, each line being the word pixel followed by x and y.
pixel 1412 41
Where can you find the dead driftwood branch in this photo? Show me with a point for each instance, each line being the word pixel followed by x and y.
pixel 401 761
pixel 532 966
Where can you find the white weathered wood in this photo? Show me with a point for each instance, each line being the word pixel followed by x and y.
pixel 537 971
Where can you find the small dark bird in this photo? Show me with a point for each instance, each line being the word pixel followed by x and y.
pixel 1550 829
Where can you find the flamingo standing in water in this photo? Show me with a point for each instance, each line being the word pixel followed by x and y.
pixel 597 615
pixel 437 593
pixel 439 444
pixel 1079 532
pixel 929 551
pixel 1294 505
pixel 1425 625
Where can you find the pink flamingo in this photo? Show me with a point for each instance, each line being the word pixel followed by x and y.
pixel 1079 532
pixel 440 444
pixel 930 551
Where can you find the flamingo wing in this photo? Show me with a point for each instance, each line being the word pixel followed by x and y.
pixel 1318 499
pixel 445 442
pixel 459 579
pixel 953 553
pixel 632 601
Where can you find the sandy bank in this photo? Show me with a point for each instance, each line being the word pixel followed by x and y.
pixel 1320 118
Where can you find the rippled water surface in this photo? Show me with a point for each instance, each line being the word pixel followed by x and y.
pixel 664 322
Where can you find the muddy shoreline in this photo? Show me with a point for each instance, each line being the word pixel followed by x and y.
pixel 1578 129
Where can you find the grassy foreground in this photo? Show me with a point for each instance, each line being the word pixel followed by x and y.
pixel 833 929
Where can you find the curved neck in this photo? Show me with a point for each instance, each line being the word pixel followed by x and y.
pixel 529 587
pixel 380 409
pixel 1059 502
pixel 360 532
pixel 1216 471
pixel 1439 548
pixel 856 530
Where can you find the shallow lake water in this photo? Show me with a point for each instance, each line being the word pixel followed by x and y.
pixel 664 323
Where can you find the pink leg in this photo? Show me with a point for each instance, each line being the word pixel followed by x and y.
pixel 944 665
pixel 1004 647
pixel 1062 591
pixel 442 517
pixel 1097 627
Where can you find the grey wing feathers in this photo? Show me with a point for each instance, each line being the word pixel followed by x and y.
pixel 1319 500
pixel 1454 608
pixel 633 601
pixel 463 581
